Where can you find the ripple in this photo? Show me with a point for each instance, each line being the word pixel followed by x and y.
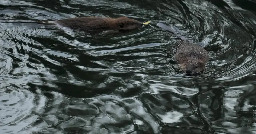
pixel 18 108
pixel 53 81
pixel 108 114
pixel 171 117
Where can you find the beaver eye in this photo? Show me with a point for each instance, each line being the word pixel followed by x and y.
pixel 121 25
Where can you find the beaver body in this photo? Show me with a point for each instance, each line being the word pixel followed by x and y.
pixel 99 24
pixel 191 58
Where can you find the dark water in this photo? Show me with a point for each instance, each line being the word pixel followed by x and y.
pixel 54 81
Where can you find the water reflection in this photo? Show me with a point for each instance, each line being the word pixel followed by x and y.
pixel 67 82
pixel 19 108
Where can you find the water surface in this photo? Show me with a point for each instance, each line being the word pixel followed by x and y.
pixel 57 81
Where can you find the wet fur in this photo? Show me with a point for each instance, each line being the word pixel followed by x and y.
pixel 98 24
pixel 191 58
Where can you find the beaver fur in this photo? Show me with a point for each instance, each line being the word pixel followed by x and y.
pixel 99 24
pixel 191 58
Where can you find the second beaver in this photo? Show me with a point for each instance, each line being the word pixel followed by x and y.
pixel 191 58
pixel 99 24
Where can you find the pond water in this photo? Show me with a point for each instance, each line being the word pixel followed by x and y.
pixel 57 81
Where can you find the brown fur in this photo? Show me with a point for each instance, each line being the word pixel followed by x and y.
pixel 98 24
pixel 191 58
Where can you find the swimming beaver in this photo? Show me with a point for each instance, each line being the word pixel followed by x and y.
pixel 190 57
pixel 99 24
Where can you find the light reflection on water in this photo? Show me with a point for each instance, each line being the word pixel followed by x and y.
pixel 67 82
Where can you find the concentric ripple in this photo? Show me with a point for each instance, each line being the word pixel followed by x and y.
pixel 19 109
pixel 54 80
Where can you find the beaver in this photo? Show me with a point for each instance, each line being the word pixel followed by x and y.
pixel 191 57
pixel 99 24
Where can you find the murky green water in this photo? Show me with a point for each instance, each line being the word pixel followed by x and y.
pixel 54 81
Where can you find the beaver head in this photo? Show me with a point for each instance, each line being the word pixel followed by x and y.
pixel 125 24
pixel 191 58
pixel 193 66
